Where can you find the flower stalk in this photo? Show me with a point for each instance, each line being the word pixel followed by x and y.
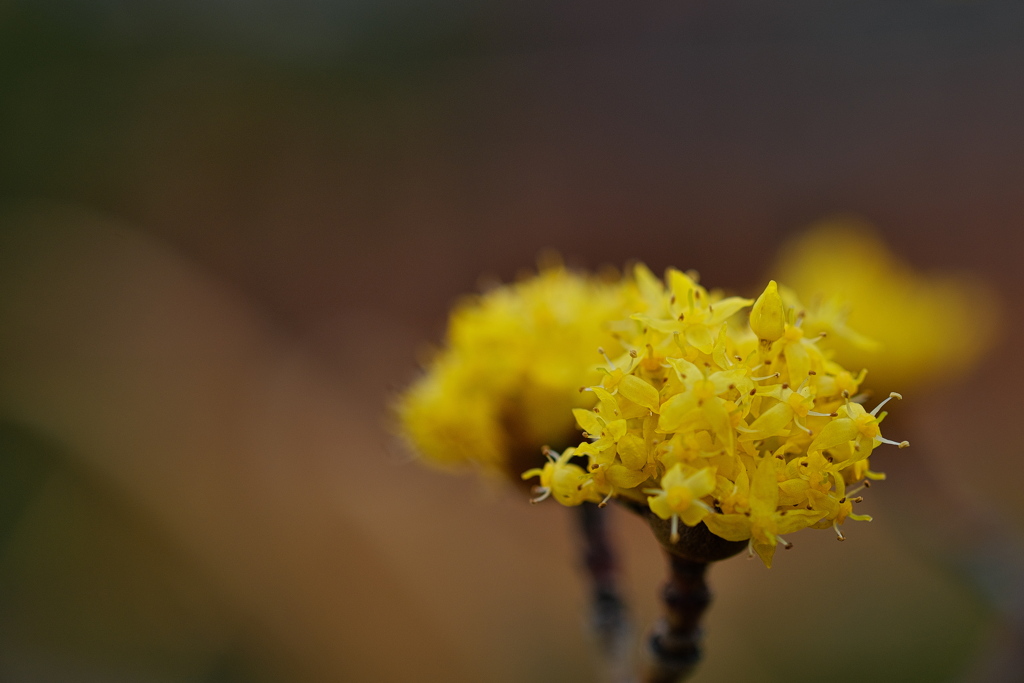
pixel 609 617
pixel 675 645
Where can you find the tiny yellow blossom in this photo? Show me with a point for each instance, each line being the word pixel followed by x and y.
pixel 680 496
pixel 563 480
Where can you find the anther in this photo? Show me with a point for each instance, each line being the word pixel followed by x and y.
pixel 879 406
pixel 632 353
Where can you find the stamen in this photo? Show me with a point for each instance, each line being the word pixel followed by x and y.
pixel 839 534
pixel 674 537
pixel 761 379
pixel 545 491
pixel 797 423
pixel 606 499
pixel 815 413
pixel 864 485
pixel 750 549
pixel 879 406
pixel 900 444
pixel 785 544
pixel 600 350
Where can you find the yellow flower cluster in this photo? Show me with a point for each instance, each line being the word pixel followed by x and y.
pixel 750 429
pixel 911 328
pixel 509 374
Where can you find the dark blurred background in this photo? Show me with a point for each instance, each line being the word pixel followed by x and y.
pixel 228 228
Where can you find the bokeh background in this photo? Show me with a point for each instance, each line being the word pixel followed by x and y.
pixel 227 230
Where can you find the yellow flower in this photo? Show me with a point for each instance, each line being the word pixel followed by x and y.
pixel 510 372
pixel 745 426
pixel 563 480
pixel 765 522
pixel 909 328
pixel 680 496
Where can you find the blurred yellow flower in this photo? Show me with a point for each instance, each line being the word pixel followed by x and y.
pixel 510 373
pixel 908 327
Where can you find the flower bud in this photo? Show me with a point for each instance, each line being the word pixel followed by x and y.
pixel 768 316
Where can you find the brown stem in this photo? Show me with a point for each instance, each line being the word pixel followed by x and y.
pixel 609 617
pixel 675 643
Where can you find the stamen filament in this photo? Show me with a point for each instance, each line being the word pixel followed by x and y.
pixel 545 491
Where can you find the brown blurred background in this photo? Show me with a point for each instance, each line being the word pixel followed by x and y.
pixel 227 228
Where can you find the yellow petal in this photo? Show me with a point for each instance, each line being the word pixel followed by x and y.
pixel 659 506
pixel 699 336
pixel 588 421
pixel 624 478
pixel 702 482
pixel 729 527
pixel 764 550
pixel 764 488
pixel 640 392
pixel 798 362
pixel 685 369
pixel 795 520
pixel 726 308
pixel 770 423
pixel 837 432
pixel 692 515
pixel 647 282
pixel 675 410
pixel 717 416
pixel 633 451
